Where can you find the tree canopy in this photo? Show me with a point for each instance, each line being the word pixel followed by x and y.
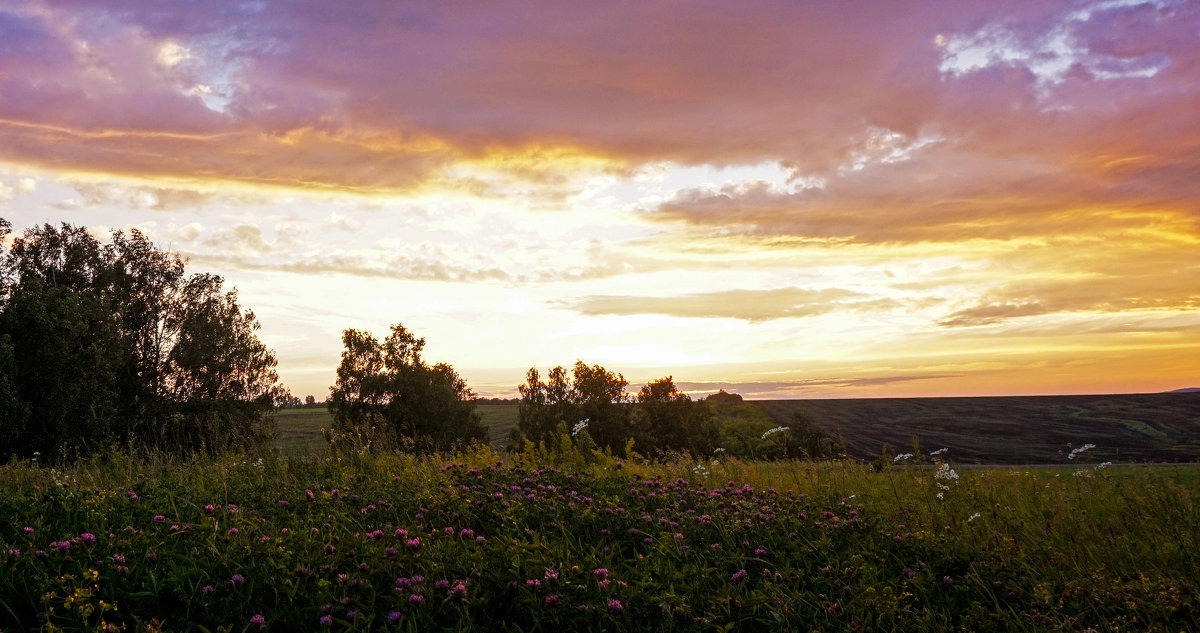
pixel 387 396
pixel 590 395
pixel 115 345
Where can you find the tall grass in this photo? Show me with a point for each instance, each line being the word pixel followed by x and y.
pixel 572 541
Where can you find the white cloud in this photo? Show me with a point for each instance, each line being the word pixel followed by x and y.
pixel 171 54
pixel 26 186
pixel 186 233
pixel 1049 56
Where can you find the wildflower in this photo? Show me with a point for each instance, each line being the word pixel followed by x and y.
pixel 350 615
pixel 902 457
pixel 946 472
pixel 973 517
pixel 579 426
pixel 739 576
pixel 133 496
pixel 233 531
pixel 533 583
pixel 209 509
pixel 159 518
pixel 774 430
pixel 600 573
pixel 1079 450
pixel 393 617
pixel 551 575
pixel 551 600
pixel 1103 465
pixel 118 559
pixel 459 590
pixel 28 530
pixel 416 598
pixel 326 621
pixel 88 538
pixel 258 621
pixel 413 543
pixel 718 450
pixel 208 589
pixel 939 451
pixel 615 606
pixel 760 552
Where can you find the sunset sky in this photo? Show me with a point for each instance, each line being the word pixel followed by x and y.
pixel 783 199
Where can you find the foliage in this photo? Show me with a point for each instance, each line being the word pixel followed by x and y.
pixel 113 344
pixel 555 541
pixel 590 393
pixel 666 419
pixel 387 396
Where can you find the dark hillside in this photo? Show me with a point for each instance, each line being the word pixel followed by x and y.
pixel 1013 430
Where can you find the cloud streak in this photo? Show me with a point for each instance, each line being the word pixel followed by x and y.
pixel 747 305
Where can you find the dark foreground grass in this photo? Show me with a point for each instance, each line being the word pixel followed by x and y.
pixel 586 543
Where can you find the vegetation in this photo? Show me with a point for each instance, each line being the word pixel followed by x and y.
pixel 592 403
pixel 388 397
pixel 566 541
pixel 114 345
pixel 591 396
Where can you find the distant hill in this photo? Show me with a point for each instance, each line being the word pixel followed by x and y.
pixel 1186 390
pixel 1013 430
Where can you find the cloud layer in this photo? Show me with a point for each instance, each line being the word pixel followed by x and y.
pixel 939 171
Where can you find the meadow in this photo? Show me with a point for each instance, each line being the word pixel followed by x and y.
pixel 562 541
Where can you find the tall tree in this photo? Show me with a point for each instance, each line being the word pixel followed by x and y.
pixel 387 396
pixel 112 345
pixel 590 394
pixel 666 419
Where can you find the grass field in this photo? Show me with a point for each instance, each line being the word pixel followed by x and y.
pixel 1013 430
pixel 300 429
pixel 1009 430
pixel 579 542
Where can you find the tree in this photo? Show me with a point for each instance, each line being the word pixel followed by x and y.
pixel 666 419
pixel 310 401
pixel 112 344
pixel 386 396
pixel 599 398
pixel 590 394
pixel 805 440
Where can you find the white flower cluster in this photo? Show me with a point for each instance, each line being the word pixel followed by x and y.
pixel 973 517
pixel 774 430
pixel 719 449
pixel 901 457
pixel 939 451
pixel 946 472
pixel 700 470
pixel 1103 465
pixel 579 426
pixel 1076 451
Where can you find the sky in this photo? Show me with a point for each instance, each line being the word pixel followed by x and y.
pixel 781 199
